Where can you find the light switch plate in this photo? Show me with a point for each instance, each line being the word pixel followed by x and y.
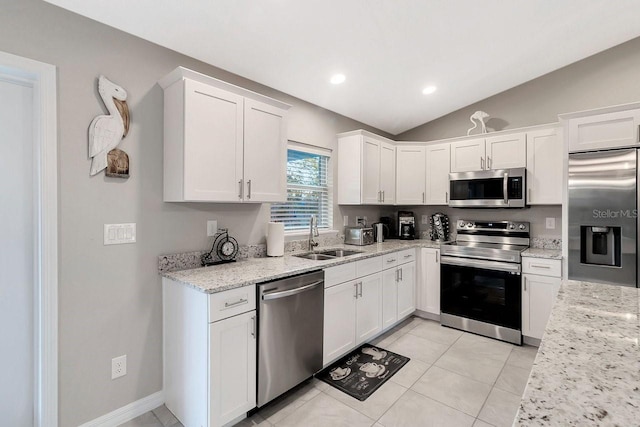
pixel 212 228
pixel 345 220
pixel 551 223
pixel 119 234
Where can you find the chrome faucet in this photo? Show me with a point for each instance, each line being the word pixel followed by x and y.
pixel 313 232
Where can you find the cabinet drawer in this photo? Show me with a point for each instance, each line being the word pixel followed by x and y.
pixel 542 267
pixel 406 256
pixel 230 303
pixel 390 260
pixel 368 266
pixel 339 274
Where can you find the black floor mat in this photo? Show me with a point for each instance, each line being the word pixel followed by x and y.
pixel 362 371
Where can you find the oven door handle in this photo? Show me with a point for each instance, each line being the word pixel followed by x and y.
pixel 505 188
pixel 487 265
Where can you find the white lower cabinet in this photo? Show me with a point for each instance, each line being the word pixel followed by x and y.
pixel 369 307
pixel 339 320
pixel 209 351
pixel 428 293
pixel 539 293
pixel 359 309
pixel 406 289
pixel 232 368
pixel 389 297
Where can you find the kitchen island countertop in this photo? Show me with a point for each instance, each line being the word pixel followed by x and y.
pixel 250 271
pixel 587 370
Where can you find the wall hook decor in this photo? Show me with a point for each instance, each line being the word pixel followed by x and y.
pixel 106 132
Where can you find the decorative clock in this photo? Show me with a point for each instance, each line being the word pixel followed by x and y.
pixel 223 250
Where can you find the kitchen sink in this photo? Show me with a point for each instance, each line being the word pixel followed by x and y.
pixel 315 257
pixel 339 253
pixel 324 255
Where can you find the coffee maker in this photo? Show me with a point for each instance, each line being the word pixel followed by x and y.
pixel 406 225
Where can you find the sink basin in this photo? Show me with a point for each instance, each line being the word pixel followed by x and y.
pixel 315 257
pixel 324 255
pixel 339 253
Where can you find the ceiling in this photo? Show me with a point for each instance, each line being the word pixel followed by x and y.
pixel 388 50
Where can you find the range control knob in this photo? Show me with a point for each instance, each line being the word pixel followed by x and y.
pixel 512 226
pixel 470 225
pixel 521 227
pixel 461 224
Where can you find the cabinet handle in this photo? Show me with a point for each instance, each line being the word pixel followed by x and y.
pixel 241 189
pixel 407 256
pixel 401 275
pixel 528 195
pixel 488 162
pixel 382 196
pixel 423 200
pixel 249 189
pixel 446 196
pixel 481 163
pixel 525 284
pixel 391 260
pixel 397 275
pixel 379 196
pixel 253 327
pixel 233 304
pixel 355 286
pixel 540 266
pixel 360 293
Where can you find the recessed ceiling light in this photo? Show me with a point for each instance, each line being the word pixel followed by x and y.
pixel 429 90
pixel 336 79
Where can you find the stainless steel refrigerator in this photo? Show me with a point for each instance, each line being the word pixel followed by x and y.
pixel 603 211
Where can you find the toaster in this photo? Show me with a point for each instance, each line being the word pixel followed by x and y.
pixel 359 236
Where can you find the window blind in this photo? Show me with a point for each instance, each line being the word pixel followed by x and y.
pixel 308 192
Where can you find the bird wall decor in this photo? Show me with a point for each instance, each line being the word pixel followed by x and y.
pixel 478 116
pixel 106 131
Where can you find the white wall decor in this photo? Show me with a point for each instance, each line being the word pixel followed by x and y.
pixel 478 116
pixel 106 132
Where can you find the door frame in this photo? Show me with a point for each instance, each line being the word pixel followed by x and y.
pixel 42 78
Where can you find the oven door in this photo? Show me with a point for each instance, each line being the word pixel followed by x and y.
pixel 503 188
pixel 486 291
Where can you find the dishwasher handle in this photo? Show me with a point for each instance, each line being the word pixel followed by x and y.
pixel 294 291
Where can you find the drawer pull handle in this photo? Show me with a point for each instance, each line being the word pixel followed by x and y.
pixel 233 304
pixel 391 260
pixel 253 326
pixel 540 266
pixel 408 256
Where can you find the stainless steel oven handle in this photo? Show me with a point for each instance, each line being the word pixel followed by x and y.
pixel 282 294
pixel 487 265
pixel 505 188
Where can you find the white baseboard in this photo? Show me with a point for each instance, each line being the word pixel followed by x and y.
pixel 128 412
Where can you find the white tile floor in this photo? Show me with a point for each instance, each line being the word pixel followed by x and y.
pixel 453 379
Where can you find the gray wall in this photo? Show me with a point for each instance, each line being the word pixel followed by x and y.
pixel 608 78
pixel 110 296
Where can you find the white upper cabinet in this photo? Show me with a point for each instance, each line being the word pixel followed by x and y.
pixel 366 169
pixel 265 152
pixel 222 143
pixel 468 155
pixel 506 151
pixel 493 152
pixel 411 177
pixel 599 131
pixel 438 161
pixel 544 166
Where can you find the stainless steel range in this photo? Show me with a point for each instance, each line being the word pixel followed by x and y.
pixel 480 289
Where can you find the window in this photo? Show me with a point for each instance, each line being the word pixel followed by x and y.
pixel 308 190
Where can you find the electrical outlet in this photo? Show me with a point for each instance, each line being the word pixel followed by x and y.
pixel 345 220
pixel 551 223
pixel 425 219
pixel 212 228
pixel 358 220
pixel 118 367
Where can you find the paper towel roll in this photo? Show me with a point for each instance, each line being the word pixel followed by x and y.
pixel 275 239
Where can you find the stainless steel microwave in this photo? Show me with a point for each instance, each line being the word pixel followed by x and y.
pixel 502 188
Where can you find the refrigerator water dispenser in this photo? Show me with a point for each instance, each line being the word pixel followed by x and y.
pixel 600 245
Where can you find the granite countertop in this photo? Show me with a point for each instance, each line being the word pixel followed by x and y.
pixel 543 253
pixel 587 370
pixel 247 272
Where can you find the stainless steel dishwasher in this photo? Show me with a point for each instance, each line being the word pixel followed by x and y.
pixel 290 325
